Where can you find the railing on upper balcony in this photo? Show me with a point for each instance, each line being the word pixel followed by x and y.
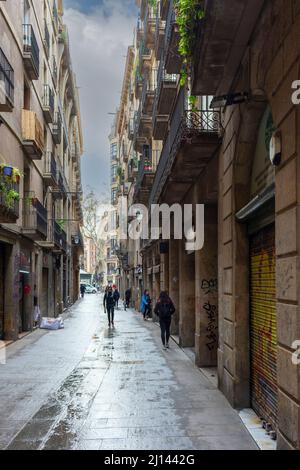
pixel 30 44
pixel 46 36
pixel 54 70
pixel 50 165
pixel 147 164
pixel 6 79
pixel 185 125
pixel 150 84
pixel 171 20
pixel 48 98
pixel 35 215
pixel 59 236
pixel 57 127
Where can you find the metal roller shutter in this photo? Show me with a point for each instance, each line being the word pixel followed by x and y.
pixel 263 325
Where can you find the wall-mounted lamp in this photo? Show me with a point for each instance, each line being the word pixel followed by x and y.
pixel 229 100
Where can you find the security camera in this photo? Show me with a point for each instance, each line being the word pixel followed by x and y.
pixel 1 121
pixel 276 149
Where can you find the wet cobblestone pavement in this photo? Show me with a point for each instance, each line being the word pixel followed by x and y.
pixel 91 387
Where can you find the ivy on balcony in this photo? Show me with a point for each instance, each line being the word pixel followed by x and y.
pixel 188 15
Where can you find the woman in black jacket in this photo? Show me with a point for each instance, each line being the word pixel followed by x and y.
pixel 164 309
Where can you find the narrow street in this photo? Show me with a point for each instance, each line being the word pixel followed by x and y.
pixel 88 387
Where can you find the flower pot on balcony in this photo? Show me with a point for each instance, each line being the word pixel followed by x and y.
pixel 7 170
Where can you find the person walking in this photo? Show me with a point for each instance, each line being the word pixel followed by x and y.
pixel 82 290
pixel 116 297
pixel 109 305
pixel 164 309
pixel 127 298
pixel 146 305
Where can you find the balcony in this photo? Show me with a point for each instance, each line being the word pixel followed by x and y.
pixel 167 86
pixel 132 170
pixel 193 140
pixel 6 84
pixel 146 174
pixel 46 38
pixel 32 134
pixel 224 37
pixel 173 62
pixel 148 93
pixel 77 241
pixel 31 52
pixel 138 83
pixel 75 153
pixel 48 104
pixel 54 71
pixel 59 237
pixel 140 30
pixel 142 130
pixel 145 55
pixel 149 26
pixel 56 129
pixel 130 129
pixel 9 205
pixel 160 29
pixel 50 170
pixel 35 219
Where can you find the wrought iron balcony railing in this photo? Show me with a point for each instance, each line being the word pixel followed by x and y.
pixel 48 103
pixel 54 70
pixel 50 168
pixel 35 217
pixel 31 51
pixel 46 37
pixel 57 128
pixel 185 127
pixel 6 84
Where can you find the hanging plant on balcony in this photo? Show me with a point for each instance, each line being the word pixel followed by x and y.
pixel 9 176
pixel 188 15
pixel 10 195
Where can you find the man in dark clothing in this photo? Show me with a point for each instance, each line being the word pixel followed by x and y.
pixel 116 297
pixel 109 305
pixel 82 290
pixel 164 309
pixel 127 298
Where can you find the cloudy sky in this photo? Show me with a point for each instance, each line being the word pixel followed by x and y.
pixel 100 32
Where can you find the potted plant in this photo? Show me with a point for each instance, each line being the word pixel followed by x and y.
pixel 7 170
pixel 10 197
pixel 16 175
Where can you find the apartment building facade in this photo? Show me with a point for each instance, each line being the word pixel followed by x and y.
pixel 236 151
pixel 40 147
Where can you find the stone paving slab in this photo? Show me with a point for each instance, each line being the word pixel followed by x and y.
pixel 112 389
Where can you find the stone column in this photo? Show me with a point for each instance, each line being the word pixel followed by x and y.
pixel 186 297
pixel 174 282
pixel 206 293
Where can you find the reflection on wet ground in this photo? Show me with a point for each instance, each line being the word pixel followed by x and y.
pixel 126 393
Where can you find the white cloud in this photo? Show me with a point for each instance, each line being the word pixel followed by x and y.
pixel 99 42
